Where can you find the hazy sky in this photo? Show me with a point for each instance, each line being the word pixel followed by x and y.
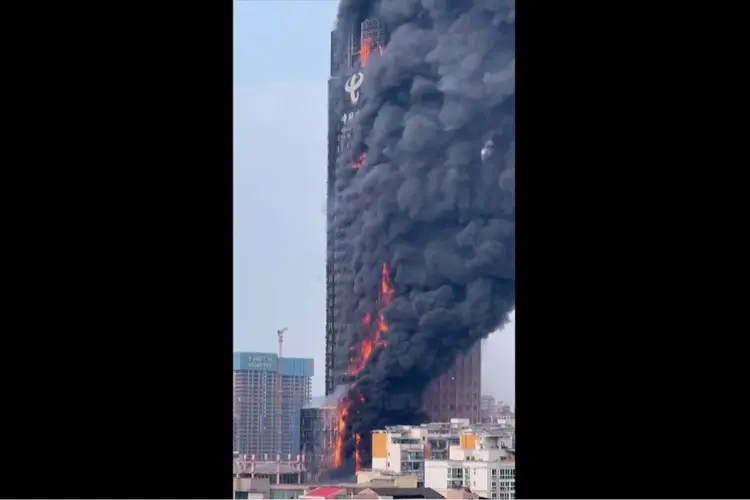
pixel 281 63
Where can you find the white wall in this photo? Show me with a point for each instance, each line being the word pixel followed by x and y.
pixel 393 456
pixel 436 475
pixel 378 464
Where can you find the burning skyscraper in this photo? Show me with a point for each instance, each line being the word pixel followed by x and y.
pixel 350 51
pixel 421 210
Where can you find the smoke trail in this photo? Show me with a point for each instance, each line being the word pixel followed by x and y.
pixel 425 202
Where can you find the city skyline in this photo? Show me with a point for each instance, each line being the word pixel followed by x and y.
pixel 279 188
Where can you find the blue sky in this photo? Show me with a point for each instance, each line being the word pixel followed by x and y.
pixel 281 59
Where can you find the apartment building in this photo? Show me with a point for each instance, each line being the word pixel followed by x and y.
pixel 402 449
pixel 406 450
pixel 481 463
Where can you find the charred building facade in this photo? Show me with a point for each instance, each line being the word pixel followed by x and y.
pixel 457 393
pixel 349 54
pixel 318 431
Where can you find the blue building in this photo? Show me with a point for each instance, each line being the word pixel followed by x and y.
pixel 261 428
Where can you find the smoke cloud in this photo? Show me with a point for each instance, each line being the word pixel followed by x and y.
pixel 425 202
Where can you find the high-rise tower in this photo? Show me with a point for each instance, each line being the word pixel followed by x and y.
pixel 458 392
pixel 455 394
pixel 258 419
pixel 349 55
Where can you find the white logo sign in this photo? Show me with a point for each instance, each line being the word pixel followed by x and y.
pixel 352 86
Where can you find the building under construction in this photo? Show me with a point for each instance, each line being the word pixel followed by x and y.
pixel 457 393
pixel 268 394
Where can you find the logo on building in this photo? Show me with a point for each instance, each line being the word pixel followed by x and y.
pixel 352 86
pixel 259 363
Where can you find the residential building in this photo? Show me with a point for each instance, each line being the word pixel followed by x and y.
pixel 481 463
pixel 404 450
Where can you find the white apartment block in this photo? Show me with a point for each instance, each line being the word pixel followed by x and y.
pixel 402 449
pixel 509 419
pixel 408 450
pixel 480 463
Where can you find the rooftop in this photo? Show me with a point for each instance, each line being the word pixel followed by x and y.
pixel 323 492
pixel 406 492
pixel 262 467
pixel 450 427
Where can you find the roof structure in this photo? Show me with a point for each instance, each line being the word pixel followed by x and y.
pixel 406 492
pixel 323 492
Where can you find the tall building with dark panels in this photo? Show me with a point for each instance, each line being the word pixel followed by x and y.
pixel 318 431
pixel 458 392
pixel 256 413
pixel 343 104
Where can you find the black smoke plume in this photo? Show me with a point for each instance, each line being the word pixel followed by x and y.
pixel 425 202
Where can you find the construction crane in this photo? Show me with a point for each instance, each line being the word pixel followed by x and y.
pixel 279 391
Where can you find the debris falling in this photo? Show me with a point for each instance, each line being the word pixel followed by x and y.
pixel 423 210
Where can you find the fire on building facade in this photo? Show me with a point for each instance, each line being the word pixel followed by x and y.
pixel 318 430
pixel 343 104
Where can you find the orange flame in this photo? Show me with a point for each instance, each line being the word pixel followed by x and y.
pixel 343 411
pixel 365 51
pixel 362 160
pixel 373 337
pixel 357 460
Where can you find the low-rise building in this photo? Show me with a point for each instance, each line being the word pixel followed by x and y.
pixel 405 450
pixel 392 493
pixel 283 470
pixel 385 479
pixel 325 493
pixel 402 449
pixel 480 463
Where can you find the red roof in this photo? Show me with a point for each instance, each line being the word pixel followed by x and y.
pixel 323 492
